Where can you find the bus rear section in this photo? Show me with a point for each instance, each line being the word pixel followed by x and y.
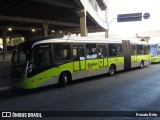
pixel 136 54
pixel 155 53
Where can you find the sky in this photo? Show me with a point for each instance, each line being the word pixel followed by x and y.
pixel 134 6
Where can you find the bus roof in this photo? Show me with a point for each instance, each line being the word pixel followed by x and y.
pixel 75 39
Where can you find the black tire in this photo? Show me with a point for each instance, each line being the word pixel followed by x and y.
pixel 63 79
pixel 141 65
pixel 112 70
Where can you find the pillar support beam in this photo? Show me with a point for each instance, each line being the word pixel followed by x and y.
pixel 83 25
pixel 45 29
pixel 4 36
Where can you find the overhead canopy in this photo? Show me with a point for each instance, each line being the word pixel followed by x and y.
pixel 59 14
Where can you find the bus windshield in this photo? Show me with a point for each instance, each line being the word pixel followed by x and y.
pixel 19 60
pixel 20 57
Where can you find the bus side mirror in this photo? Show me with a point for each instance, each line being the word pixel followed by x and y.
pixel 32 66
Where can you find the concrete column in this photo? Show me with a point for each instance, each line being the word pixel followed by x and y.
pixel 45 29
pixel 83 28
pixel 107 33
pixel 4 36
pixel 106 21
pixel 83 24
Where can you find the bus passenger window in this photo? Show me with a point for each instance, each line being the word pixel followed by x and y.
pixel 78 52
pixel 81 52
pixel 112 49
pixel 134 50
pixel 119 50
pixel 43 58
pixel 65 54
pixel 75 52
pixel 91 52
pixel 140 49
pixel 146 50
pixel 102 51
pixel 62 52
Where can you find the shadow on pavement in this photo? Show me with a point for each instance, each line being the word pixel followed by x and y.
pixel 7 91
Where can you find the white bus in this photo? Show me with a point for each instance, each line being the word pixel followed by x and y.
pixel 59 60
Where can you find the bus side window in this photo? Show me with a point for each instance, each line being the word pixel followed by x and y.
pixel 146 50
pixel 62 52
pixel 102 51
pixel 41 58
pixel 140 49
pixel 81 52
pixel 134 49
pixel 119 50
pixel 78 52
pixel 65 54
pixel 112 49
pixel 91 51
pixel 75 52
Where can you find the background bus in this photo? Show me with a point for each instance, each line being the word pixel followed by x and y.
pixel 55 60
pixel 155 52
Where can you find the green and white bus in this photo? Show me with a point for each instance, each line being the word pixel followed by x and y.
pixel 59 60
pixel 155 53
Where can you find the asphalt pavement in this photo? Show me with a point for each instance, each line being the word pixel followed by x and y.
pixel 133 90
pixel 4 73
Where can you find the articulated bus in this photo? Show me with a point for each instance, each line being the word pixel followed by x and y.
pixel 155 53
pixel 59 60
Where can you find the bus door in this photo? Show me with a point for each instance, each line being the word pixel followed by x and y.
pixel 102 55
pixel 115 56
pixel 79 63
pixel 134 55
pixel 41 62
pixel 120 58
pixel 92 61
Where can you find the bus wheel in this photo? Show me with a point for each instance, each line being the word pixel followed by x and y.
pixel 63 79
pixel 142 64
pixel 112 70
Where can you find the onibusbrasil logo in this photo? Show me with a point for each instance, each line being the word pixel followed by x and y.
pixel 21 114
